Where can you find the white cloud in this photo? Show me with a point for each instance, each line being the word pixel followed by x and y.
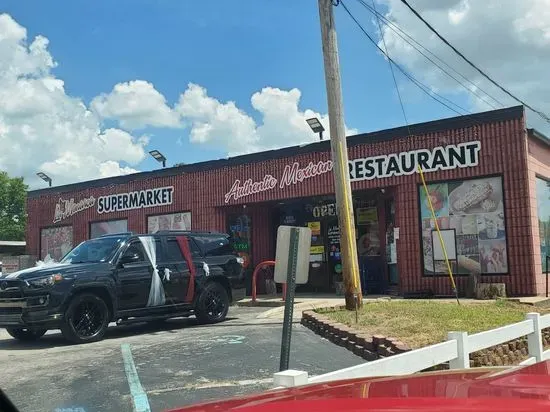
pixel 135 105
pixel 44 129
pixel 225 125
pixel 508 39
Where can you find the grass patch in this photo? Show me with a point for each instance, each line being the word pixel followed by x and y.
pixel 421 323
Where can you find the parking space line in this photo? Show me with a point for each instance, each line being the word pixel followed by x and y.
pixel 139 397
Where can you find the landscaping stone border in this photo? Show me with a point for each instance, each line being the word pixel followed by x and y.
pixel 366 346
pixel 376 347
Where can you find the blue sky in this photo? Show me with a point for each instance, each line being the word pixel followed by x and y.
pixel 233 49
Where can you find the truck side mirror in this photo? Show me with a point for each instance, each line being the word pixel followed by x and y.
pixel 130 258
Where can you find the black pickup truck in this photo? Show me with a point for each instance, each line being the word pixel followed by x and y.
pixel 113 279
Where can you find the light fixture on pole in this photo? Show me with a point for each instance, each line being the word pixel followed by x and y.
pixel 45 178
pixel 316 126
pixel 159 157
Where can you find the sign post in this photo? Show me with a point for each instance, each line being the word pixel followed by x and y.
pixel 291 267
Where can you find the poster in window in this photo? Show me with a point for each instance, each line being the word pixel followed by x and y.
pixel 474 209
pixel 105 228
pixel 56 242
pixel 240 236
pixel 172 221
pixel 543 213
pixel 367 215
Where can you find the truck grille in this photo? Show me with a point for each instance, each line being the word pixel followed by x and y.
pixel 10 315
pixel 10 289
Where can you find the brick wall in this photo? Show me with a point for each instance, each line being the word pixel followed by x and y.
pixel 202 192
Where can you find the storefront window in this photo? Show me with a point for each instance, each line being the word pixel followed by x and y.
pixel 239 230
pixel 105 228
pixel 543 212
pixel 56 242
pixel 173 221
pixel 474 208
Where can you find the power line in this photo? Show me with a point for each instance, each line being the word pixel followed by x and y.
pixel 437 97
pixel 417 46
pixel 391 69
pixel 540 113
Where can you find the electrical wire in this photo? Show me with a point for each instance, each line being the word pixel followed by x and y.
pixel 437 97
pixel 417 46
pixel 540 113
pixel 391 69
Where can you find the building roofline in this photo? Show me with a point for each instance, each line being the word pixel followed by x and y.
pixel 433 126
pixel 539 136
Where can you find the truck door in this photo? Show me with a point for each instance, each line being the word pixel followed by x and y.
pixel 176 285
pixel 134 275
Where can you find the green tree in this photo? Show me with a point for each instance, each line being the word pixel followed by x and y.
pixel 13 217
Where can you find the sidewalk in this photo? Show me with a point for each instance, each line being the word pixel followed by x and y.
pixel 314 301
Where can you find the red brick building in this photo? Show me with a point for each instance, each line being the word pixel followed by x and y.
pixel 486 174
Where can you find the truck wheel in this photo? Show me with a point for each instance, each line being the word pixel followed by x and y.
pixel 26 335
pixel 212 304
pixel 86 319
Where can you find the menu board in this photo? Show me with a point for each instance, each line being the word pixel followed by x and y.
pixel 474 208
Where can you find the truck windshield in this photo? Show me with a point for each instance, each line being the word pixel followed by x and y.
pixel 94 250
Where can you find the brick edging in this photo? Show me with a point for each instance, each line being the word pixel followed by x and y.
pixel 366 346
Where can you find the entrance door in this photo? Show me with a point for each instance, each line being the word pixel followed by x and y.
pixel 369 247
pixel 391 247
pixel 134 277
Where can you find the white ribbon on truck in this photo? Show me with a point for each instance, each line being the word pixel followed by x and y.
pixel 156 293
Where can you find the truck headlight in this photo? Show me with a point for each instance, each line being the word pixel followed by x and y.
pixel 46 281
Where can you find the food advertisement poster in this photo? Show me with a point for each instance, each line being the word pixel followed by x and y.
pixel 104 228
pixel 173 221
pixel 474 209
pixel 315 228
pixel 56 242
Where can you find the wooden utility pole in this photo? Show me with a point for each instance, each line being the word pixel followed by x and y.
pixel 339 148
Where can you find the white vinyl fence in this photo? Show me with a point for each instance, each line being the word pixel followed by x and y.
pixel 456 350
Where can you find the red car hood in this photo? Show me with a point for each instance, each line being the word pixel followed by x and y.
pixel 481 389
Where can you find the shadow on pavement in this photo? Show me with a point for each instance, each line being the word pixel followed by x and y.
pixel 55 339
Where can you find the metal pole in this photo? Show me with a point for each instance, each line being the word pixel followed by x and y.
pixel 321 135
pixel 547 259
pixel 289 302
pixel 338 144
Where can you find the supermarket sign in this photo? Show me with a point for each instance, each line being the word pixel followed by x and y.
pixel 159 196
pixel 118 202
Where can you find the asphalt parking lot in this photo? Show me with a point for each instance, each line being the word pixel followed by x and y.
pixel 177 364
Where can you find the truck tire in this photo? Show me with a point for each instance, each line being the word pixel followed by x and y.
pixel 212 304
pixel 86 319
pixel 26 335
